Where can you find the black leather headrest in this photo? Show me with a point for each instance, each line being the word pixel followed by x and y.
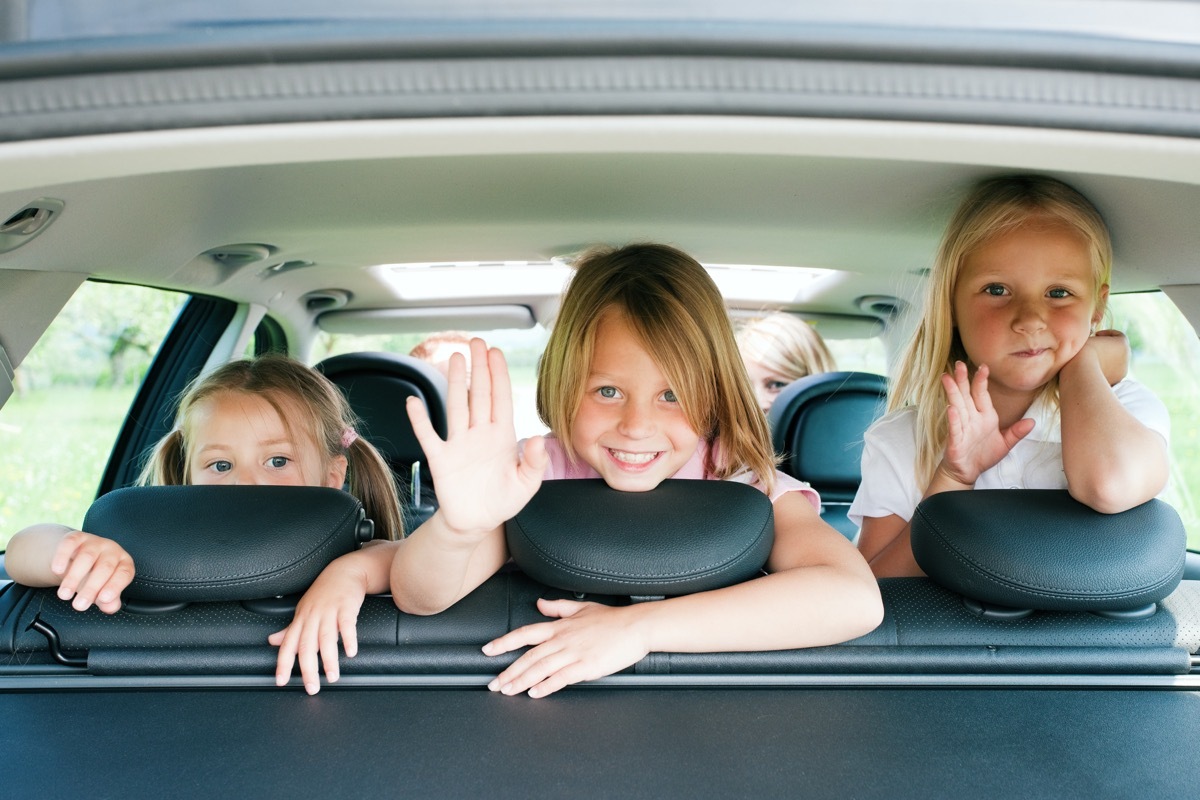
pixel 376 385
pixel 817 424
pixel 1043 550
pixel 683 536
pixel 206 543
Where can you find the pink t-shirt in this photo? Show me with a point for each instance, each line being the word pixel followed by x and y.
pixel 560 468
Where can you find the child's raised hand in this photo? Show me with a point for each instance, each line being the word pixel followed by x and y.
pixel 330 607
pixel 975 443
pixel 587 641
pixel 480 480
pixel 93 569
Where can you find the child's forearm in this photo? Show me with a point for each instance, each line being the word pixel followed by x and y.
pixel 802 607
pixel 435 566
pixel 1111 460
pixel 30 552
pixel 896 560
pixel 373 561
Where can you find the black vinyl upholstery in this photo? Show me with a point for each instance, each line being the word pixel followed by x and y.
pixel 926 628
pixel 817 426
pixel 209 543
pixel 377 385
pixel 681 537
pixel 1042 549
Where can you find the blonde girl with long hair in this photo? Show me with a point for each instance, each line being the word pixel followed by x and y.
pixel 641 381
pixel 1006 382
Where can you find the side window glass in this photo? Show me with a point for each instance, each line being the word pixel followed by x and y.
pixel 1166 358
pixel 72 393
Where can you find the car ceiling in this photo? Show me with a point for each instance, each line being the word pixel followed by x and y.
pixel 159 168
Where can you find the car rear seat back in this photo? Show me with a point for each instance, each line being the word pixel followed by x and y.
pixel 209 597
pixel 377 385
pixel 817 427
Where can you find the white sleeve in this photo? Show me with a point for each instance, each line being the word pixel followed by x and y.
pixel 889 481
pixel 1145 407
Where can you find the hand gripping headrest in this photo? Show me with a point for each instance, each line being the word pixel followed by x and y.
pixel 683 536
pixel 205 543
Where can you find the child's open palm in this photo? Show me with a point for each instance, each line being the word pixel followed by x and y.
pixel 480 480
pixel 975 442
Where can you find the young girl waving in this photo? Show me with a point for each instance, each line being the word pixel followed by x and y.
pixel 1006 383
pixel 270 421
pixel 641 381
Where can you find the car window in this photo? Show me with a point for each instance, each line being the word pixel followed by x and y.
pixel 1166 358
pixel 71 395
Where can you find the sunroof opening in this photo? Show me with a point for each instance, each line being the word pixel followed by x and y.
pixel 742 284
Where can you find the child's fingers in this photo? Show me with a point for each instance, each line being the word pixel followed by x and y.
pixel 534 460
pixel 501 393
pixel 572 673
pixel 348 625
pixel 1018 431
pixel 457 407
pixel 80 567
pixel 109 597
pixel 285 640
pixel 560 608
pixel 481 384
pixel 418 416
pixel 310 669
pixel 327 639
pixel 530 670
pixel 64 553
pixel 523 636
pixel 979 389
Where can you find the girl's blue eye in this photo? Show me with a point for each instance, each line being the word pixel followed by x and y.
pixel 278 462
pixel 221 466
pixel 776 386
pixel 608 392
pixel 669 396
pixel 994 289
pixel 1059 294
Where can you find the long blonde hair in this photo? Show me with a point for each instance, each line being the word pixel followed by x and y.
pixel 785 345
pixel 676 311
pixel 325 415
pixel 994 207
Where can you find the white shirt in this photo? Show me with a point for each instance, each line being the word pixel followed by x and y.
pixel 889 481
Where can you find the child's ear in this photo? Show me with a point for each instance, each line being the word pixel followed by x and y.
pixel 1101 305
pixel 335 477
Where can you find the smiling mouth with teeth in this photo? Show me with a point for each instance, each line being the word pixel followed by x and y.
pixel 633 458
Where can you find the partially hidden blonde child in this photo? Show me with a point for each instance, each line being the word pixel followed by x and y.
pixel 265 421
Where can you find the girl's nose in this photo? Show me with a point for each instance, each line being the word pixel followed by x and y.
pixel 1027 317
pixel 244 477
pixel 636 422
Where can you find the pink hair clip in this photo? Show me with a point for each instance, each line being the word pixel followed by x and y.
pixel 348 437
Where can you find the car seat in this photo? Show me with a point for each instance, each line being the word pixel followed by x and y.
pixel 377 385
pixel 817 425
